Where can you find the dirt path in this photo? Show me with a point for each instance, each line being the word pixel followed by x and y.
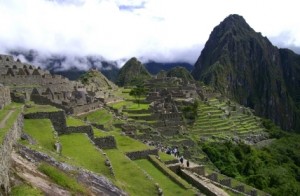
pixel 3 122
pixel 28 171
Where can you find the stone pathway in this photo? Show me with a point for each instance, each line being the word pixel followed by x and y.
pixel 3 122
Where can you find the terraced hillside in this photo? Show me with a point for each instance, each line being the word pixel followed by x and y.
pixel 78 150
pixel 219 118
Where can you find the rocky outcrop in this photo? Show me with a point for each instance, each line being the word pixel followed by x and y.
pixel 6 149
pixel 245 66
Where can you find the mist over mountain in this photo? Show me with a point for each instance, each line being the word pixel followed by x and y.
pixel 245 66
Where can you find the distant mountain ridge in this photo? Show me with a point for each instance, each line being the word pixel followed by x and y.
pixel 244 65
pixel 68 65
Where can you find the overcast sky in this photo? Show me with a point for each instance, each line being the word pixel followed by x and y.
pixel 161 30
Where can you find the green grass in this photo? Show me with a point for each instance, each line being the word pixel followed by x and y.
pixel 169 187
pixel 129 177
pixel 127 144
pixel 120 104
pixel 40 108
pixel 141 106
pixel 83 153
pixel 41 130
pixel 100 116
pixel 25 190
pixel 61 178
pixel 17 108
pixel 165 157
pixel 74 122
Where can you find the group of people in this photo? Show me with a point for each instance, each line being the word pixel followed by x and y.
pixel 174 151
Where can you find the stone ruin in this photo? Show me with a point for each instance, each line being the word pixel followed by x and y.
pixel 27 82
pixel 5 98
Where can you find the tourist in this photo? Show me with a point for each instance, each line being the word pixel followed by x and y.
pixel 187 163
pixel 181 159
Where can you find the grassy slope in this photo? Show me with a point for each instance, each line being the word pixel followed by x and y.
pixel 129 177
pixel 74 122
pixel 169 187
pixel 41 130
pixel 81 151
pixel 40 108
pixel 100 116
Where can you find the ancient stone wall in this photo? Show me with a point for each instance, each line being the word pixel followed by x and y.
pixel 6 148
pixel 5 98
pixel 107 142
pixel 141 154
pixel 58 119
pixel 80 129
pixel 86 108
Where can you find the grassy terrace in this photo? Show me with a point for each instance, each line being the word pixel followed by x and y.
pixel 41 130
pixel 74 122
pixel 40 108
pixel 169 187
pixel 14 109
pixel 100 116
pixel 124 143
pixel 83 153
pixel 212 120
pixel 128 176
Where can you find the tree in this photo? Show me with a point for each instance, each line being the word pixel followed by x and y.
pixel 138 92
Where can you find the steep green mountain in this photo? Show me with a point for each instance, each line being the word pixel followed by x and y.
pixel 245 66
pixel 132 72
pixel 94 80
pixel 180 72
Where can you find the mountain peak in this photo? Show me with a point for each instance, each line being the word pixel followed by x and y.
pixel 244 65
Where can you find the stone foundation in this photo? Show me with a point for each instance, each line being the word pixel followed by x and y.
pixel 108 142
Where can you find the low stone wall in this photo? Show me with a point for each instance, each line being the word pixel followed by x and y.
pixel 107 142
pixel 195 182
pixel 58 119
pixel 141 154
pixel 80 129
pixel 5 98
pixel 98 126
pixel 200 170
pixel 6 149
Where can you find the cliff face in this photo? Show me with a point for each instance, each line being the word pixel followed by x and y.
pixel 245 66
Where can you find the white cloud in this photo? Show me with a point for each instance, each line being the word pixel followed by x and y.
pixel 162 30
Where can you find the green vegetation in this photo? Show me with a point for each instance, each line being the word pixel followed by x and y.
pixel 16 110
pixel 169 186
pixel 274 169
pixel 41 130
pixel 132 73
pixel 25 190
pixel 129 177
pixel 127 144
pixel 180 72
pixel 138 92
pixel 100 116
pixel 81 151
pixel 74 122
pixel 165 157
pixel 33 108
pixel 61 178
